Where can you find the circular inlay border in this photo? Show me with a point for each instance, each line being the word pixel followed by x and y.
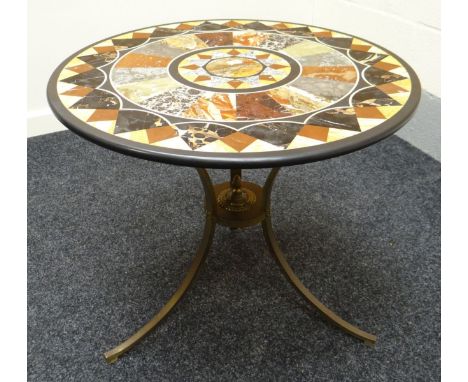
pixel 294 72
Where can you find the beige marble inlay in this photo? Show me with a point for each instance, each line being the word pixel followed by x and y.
pixel 234 67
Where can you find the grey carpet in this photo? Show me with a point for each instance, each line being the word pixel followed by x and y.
pixel 109 238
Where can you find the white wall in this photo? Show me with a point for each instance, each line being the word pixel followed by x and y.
pixel 57 28
pixel 410 28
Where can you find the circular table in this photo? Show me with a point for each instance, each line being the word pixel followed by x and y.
pixel 234 94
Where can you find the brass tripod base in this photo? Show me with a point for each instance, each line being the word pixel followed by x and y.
pixel 236 204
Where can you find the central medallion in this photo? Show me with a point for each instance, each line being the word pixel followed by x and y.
pixel 233 78
pixel 234 69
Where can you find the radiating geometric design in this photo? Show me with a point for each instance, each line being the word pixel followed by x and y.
pixel 238 69
pixel 300 77
pixel 234 86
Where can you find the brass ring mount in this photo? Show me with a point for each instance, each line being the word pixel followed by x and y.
pixel 239 204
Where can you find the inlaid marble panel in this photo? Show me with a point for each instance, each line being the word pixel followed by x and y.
pixel 234 86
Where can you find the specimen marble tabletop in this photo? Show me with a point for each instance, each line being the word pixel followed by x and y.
pixel 234 93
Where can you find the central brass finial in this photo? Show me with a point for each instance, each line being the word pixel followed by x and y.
pixel 236 198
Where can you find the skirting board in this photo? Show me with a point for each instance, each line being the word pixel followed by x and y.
pixel 43 122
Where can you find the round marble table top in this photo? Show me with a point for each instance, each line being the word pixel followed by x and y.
pixel 234 93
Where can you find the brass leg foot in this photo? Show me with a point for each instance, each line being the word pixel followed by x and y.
pixel 368 338
pixel 112 355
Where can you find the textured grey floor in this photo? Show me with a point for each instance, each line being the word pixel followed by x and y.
pixel 110 237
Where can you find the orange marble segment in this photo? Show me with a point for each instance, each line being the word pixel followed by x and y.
pixel 235 83
pixel 278 66
pixel 232 24
pixel 104 49
pixel 368 112
pixel 78 91
pixel 249 38
pixel 138 60
pixel 324 33
pixel 156 134
pixel 234 52
pixel 238 141
pixel 385 66
pixel 319 133
pixel 224 105
pixel 266 77
pixel 218 107
pixel 336 73
pixel 280 26
pixel 258 106
pixel 202 78
pixel 205 56
pixel 104 115
pixel 141 35
pixel 391 88
pixel 184 27
pixel 81 68
pixel 262 56
pixel 362 48
pixel 191 67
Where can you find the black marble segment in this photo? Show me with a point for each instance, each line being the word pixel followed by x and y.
pixel 299 31
pixel 99 59
pixel 256 25
pixel 278 41
pixel 272 104
pixel 342 118
pixel 91 79
pixel 165 32
pixel 173 101
pixel 134 120
pixel 197 135
pixel 373 97
pixel 209 26
pixel 367 58
pixel 339 42
pixel 216 39
pixel 275 133
pixel 97 99
pixel 128 42
pixel 378 76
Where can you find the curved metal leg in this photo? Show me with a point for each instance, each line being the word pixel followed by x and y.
pixel 208 232
pixel 369 339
